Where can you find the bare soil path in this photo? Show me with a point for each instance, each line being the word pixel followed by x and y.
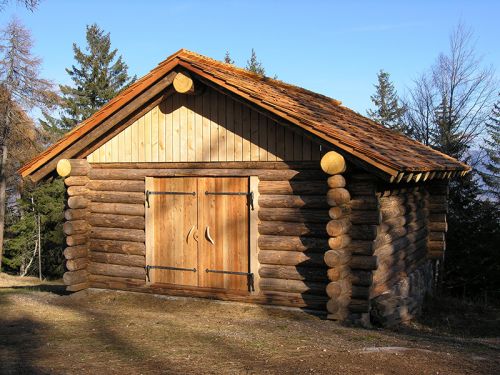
pixel 45 331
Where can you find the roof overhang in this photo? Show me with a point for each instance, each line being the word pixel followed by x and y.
pixel 132 102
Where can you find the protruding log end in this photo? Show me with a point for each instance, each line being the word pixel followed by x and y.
pixel 337 196
pixel 335 289
pixel 338 305
pixel 183 83
pixel 333 163
pixel 339 242
pixel 63 167
pixel 77 287
pixel 336 258
pixel 336 181
pixel 336 228
pixel 72 167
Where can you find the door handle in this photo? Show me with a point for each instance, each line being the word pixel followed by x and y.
pixel 189 234
pixel 207 235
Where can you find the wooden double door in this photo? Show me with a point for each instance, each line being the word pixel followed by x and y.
pixel 198 232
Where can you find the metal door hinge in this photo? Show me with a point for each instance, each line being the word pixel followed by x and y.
pixel 148 267
pixel 148 193
pixel 249 275
pixel 249 196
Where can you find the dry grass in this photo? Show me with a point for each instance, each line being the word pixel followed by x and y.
pixel 108 332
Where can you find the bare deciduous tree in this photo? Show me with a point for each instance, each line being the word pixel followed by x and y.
pixel 21 90
pixel 31 5
pixel 420 106
pixel 454 97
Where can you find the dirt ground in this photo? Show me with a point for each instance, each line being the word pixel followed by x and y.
pixel 46 331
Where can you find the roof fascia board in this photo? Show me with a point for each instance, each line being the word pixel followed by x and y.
pixel 95 121
pixel 79 144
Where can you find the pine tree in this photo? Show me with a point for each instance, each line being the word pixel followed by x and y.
pixel 228 59
pixel 46 201
pixel 254 65
pixel 491 173
pixel 98 76
pixel 471 262
pixel 388 110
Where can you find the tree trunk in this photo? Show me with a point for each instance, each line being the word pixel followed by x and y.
pixel 39 239
pixel 3 185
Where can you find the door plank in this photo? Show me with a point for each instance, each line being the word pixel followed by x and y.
pixel 174 216
pixel 226 216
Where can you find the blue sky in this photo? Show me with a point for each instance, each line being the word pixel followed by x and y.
pixel 332 47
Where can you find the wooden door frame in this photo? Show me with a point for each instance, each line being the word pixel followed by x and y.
pixel 253 232
pixel 149 227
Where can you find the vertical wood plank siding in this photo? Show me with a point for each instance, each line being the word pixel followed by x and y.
pixel 208 127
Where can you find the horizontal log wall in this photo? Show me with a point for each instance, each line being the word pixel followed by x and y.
pixel 292 236
pixel 293 213
pixel 117 231
pixel 76 227
pixel 365 221
pixel 438 208
pixel 404 273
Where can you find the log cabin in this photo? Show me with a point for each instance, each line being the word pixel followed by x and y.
pixel 202 179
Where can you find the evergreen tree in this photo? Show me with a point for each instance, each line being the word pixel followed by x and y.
pixel 491 173
pixel 388 110
pixel 45 202
pixel 228 59
pixel 471 260
pixel 254 65
pixel 98 76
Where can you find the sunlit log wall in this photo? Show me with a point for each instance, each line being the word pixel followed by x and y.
pixel 106 227
pixel 76 228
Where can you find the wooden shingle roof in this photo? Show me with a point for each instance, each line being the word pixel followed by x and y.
pixel 385 150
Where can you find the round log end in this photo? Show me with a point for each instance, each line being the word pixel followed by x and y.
pixel 336 181
pixel 336 228
pixel 333 163
pixel 336 258
pixel 183 83
pixel 63 167
pixel 337 196
pixel 339 304
pixel 335 289
pixel 339 242
pixel 338 273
